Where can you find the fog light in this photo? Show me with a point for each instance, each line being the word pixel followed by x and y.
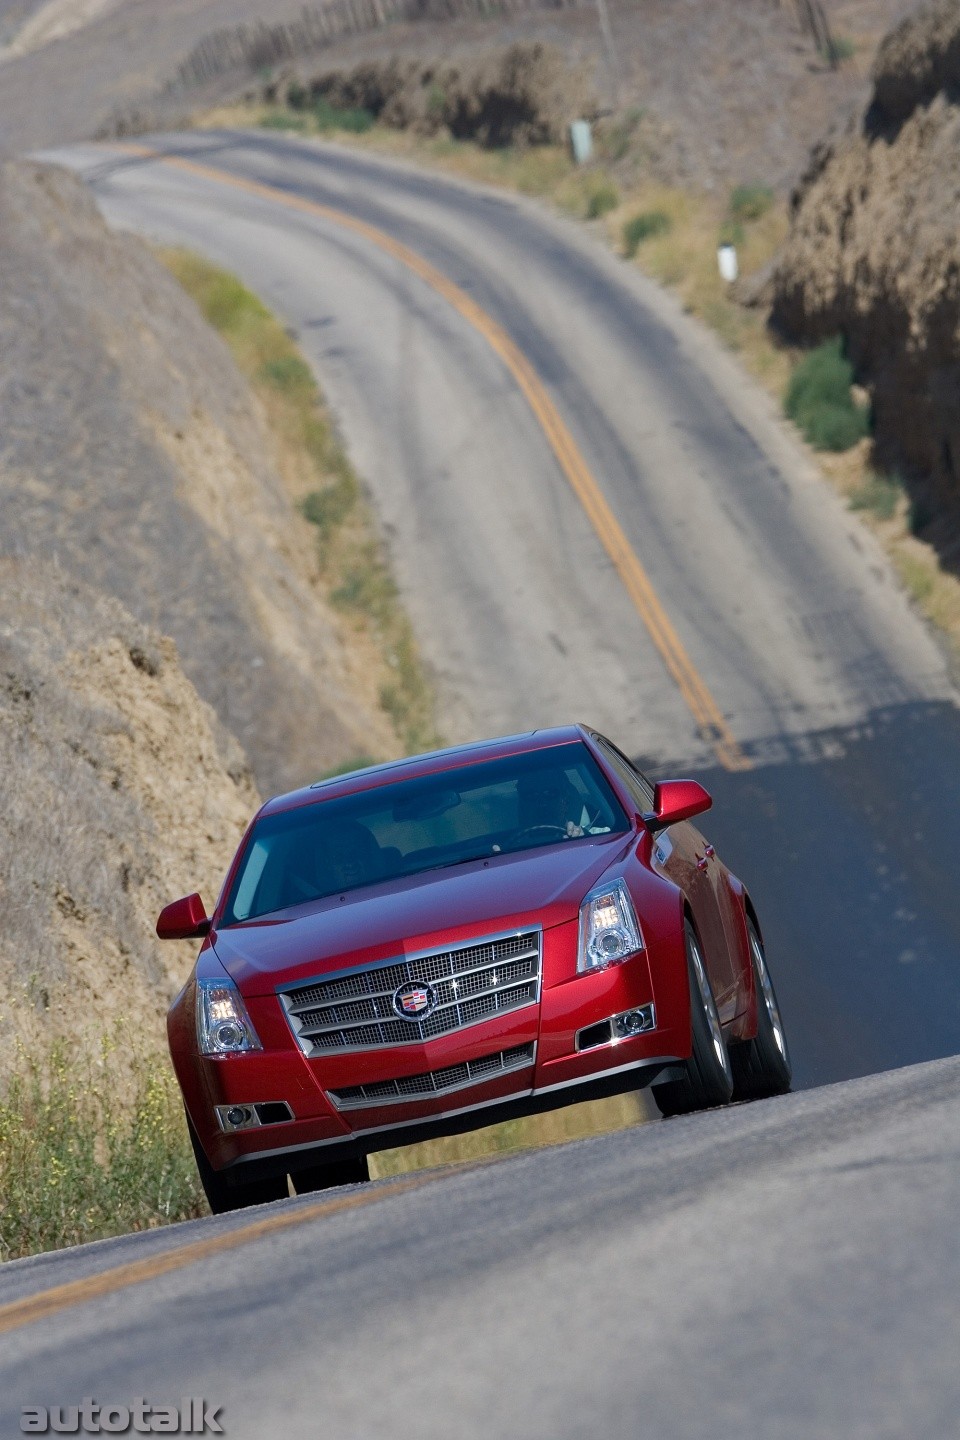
pixel 632 1022
pixel 625 1026
pixel 246 1117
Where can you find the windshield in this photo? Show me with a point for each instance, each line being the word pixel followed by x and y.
pixel 543 797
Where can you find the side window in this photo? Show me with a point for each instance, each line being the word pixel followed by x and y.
pixel 638 785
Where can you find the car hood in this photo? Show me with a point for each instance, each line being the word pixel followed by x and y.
pixel 401 917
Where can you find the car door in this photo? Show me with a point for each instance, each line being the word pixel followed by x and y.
pixel 686 858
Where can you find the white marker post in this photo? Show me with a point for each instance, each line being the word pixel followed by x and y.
pixel 581 141
pixel 727 262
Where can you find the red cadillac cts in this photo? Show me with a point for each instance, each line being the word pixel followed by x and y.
pixel 438 943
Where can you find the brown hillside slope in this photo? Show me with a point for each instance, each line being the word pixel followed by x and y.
pixel 729 90
pixel 132 450
pixel 120 789
pixel 874 252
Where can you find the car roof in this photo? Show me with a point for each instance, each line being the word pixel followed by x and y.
pixel 432 763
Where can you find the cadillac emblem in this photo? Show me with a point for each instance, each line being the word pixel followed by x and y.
pixel 415 1001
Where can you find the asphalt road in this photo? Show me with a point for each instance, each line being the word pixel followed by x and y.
pixel 787 1269
pixel 847 824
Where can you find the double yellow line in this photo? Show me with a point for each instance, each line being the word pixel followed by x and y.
pixel 701 704
pixel 47 1303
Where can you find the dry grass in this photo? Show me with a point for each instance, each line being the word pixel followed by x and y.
pixel 91 1145
pixel 351 567
pixel 557 1127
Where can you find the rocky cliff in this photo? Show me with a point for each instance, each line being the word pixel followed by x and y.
pixel 874 252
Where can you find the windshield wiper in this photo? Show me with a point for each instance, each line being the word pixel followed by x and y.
pixel 466 859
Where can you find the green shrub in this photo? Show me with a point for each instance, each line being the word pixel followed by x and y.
pixel 228 306
pixel 819 399
pixel 839 47
pixel 287 372
pixel 750 202
pixel 328 117
pixel 836 427
pixel 644 226
pixel 280 120
pixel 329 508
pixel 731 233
pixel 879 494
pixel 602 197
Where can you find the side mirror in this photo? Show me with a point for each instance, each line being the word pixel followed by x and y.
pixel 675 800
pixel 183 920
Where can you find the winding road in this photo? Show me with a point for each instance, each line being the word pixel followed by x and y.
pixel 591 515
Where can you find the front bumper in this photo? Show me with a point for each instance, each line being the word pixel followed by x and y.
pixel 338 1100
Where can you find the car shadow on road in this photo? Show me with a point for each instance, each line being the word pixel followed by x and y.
pixel 848 841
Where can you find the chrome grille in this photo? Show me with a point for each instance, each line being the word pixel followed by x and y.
pixel 471 983
pixel 434 1082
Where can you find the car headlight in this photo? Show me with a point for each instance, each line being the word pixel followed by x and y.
pixel 223 1025
pixel 609 932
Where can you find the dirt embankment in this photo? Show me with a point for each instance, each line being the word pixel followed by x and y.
pixel 731 91
pixel 131 448
pixel 523 95
pixel 120 790
pixel 874 255
pixel 138 501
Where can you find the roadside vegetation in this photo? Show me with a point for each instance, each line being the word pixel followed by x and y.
pixel 820 400
pixel 556 1127
pixel 351 565
pixel 91 1146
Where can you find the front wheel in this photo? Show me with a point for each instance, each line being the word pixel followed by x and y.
pixel 224 1195
pixel 708 1080
pixel 761 1066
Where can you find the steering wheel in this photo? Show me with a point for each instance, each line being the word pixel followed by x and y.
pixel 532 829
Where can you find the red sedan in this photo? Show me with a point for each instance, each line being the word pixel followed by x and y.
pixel 438 943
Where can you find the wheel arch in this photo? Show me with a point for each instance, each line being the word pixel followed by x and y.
pixel 751 913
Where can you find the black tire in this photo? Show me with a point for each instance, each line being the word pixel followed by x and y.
pixel 761 1067
pixel 708 1080
pixel 228 1192
pixel 336 1172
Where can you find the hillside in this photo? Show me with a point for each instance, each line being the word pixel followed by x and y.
pixel 131 448
pixel 121 790
pixel 166 650
pixel 729 90
pixel 874 255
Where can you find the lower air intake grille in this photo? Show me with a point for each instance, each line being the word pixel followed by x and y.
pixel 433 1082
